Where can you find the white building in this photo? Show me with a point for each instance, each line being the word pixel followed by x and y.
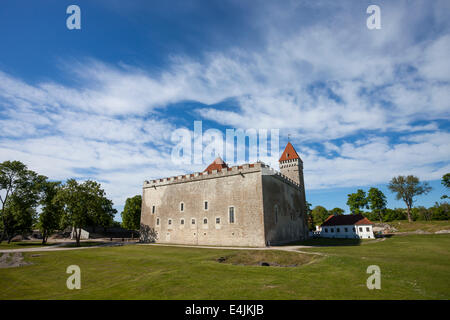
pixel 346 226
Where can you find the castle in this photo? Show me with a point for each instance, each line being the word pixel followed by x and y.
pixel 247 205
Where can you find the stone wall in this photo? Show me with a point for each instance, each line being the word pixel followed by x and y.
pixel 284 210
pixel 239 187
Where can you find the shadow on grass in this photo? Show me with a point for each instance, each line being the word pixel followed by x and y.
pixel 326 242
pixel 33 244
pixel 85 244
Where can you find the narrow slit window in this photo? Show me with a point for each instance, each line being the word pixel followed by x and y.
pixel 231 214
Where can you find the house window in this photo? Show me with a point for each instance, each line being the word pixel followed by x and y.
pixel 217 220
pixel 332 230
pixel 153 209
pixel 346 229
pixel 353 229
pixel 231 214
pixel 338 230
pixel 367 229
pixel 205 221
pixel 193 221
pixel 326 230
pixel 157 221
pixel 206 205
pixel 169 221
pixel 182 221
pixel 182 206
pixel 360 229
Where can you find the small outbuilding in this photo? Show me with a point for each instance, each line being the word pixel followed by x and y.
pixel 354 226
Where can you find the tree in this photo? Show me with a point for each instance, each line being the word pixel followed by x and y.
pixel 446 182
pixel 337 211
pixel 377 202
pixel 51 212
pixel 20 189
pixel 131 214
pixel 406 188
pixel 309 218
pixel 319 215
pixel 357 201
pixel 83 204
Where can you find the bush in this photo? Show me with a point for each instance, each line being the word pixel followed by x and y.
pixel 394 214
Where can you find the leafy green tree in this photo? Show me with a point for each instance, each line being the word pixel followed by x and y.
pixel 440 211
pixel 20 189
pixel 357 201
pixel 406 188
pixel 51 211
pixel 377 202
pixel 82 204
pixel 131 214
pixel 337 211
pixel 446 182
pixel 309 218
pixel 319 215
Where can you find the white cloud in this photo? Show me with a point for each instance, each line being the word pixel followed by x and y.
pixel 327 80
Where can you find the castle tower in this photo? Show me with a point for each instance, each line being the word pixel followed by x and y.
pixel 292 167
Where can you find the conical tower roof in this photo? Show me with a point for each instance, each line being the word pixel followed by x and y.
pixel 289 153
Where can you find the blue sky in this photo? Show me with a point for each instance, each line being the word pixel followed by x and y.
pixel 360 105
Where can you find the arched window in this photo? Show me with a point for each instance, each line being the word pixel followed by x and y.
pixel 205 221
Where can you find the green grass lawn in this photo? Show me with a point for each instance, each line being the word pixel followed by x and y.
pixel 412 267
pixel 23 244
pixel 429 226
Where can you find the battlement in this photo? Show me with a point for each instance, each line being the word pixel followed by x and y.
pixel 224 172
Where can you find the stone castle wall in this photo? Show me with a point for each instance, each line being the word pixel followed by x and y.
pixel 252 189
pixel 284 216
pixel 239 187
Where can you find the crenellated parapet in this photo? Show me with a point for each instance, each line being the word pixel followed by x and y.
pixel 224 172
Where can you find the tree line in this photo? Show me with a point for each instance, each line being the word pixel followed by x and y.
pixel 74 204
pixel 405 188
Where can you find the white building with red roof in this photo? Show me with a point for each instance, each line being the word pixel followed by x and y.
pixel 346 226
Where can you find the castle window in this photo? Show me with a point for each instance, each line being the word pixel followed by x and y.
pixel 205 221
pixel 206 205
pixel 193 221
pixel 182 206
pixel 182 221
pixel 157 221
pixel 169 222
pixel 231 214
pixel 217 220
pixel 153 209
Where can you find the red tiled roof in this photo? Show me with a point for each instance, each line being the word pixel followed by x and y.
pixel 217 164
pixel 347 219
pixel 289 153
